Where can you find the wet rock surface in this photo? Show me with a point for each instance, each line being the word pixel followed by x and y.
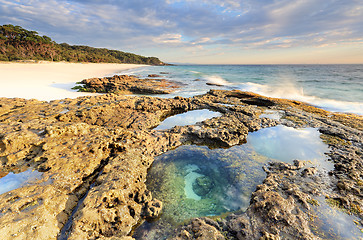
pixel 95 152
pixel 203 185
pixel 124 84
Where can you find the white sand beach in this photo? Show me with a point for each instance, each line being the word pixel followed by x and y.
pixel 51 80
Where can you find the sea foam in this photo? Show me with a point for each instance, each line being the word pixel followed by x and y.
pixel 216 80
pixel 290 91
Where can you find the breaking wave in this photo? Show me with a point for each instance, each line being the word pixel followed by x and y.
pixel 290 91
pixel 216 80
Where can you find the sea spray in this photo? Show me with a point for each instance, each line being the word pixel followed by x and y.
pixel 331 87
pixel 216 80
pixel 294 93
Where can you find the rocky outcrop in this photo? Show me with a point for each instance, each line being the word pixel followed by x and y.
pixel 201 229
pixel 124 84
pixel 153 76
pixel 94 153
pixel 284 205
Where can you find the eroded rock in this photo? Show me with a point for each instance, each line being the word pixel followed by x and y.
pixel 101 148
pixel 152 209
pixel 124 84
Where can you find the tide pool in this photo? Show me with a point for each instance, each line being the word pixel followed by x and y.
pixel 16 180
pixel 195 181
pixel 187 118
pixel 330 222
pixel 285 144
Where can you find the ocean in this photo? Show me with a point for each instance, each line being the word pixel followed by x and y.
pixel 337 88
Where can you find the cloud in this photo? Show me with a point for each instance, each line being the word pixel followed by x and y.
pixel 197 24
pixel 168 38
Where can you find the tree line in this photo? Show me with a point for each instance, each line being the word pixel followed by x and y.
pixel 17 43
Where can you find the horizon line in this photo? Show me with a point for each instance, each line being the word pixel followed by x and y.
pixel 176 63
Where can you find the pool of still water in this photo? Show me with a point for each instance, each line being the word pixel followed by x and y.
pixel 17 180
pixel 272 114
pixel 194 181
pixel 330 222
pixel 187 118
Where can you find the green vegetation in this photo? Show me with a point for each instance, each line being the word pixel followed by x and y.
pixel 17 43
pixel 313 202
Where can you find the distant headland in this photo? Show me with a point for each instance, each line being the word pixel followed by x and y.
pixel 17 43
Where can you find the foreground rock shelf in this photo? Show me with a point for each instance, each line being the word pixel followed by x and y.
pixel 99 149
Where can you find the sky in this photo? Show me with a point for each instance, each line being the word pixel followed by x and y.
pixel 202 31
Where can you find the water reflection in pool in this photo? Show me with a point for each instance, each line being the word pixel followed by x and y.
pixel 187 118
pixel 286 144
pixel 16 180
pixel 329 222
pixel 272 114
pixel 195 181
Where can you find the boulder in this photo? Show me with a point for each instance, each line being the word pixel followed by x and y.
pixel 203 185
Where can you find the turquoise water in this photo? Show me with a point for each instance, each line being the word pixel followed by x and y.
pixel 195 181
pixel 332 87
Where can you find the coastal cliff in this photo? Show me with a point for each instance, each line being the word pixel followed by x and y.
pixel 94 153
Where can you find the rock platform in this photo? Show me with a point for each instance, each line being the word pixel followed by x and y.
pixel 94 154
pixel 124 84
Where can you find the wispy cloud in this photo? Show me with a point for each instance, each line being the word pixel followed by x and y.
pixel 186 24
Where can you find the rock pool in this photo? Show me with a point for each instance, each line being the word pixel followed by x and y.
pixel 272 114
pixel 330 222
pixel 187 118
pixel 13 181
pixel 286 144
pixel 195 181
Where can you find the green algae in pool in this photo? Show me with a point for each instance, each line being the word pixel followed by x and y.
pixel 194 181
pixel 16 180
pixel 187 118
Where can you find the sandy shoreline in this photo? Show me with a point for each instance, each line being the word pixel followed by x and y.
pixel 51 80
